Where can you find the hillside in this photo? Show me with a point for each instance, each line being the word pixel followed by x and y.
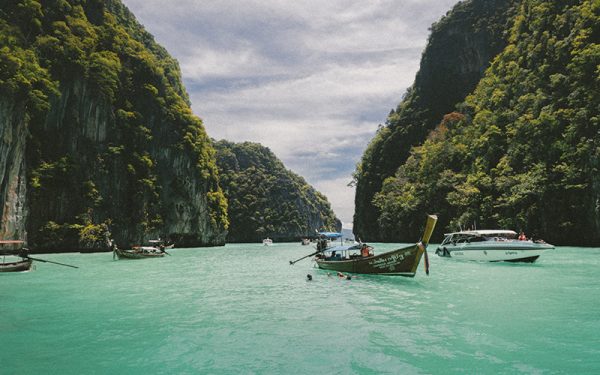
pixel 460 48
pixel 267 200
pixel 523 150
pixel 97 139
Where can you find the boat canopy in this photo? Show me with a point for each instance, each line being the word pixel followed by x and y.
pixel 342 248
pixel 330 234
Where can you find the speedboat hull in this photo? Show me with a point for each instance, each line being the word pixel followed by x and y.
pixel 510 251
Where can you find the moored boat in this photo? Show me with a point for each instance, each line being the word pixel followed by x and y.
pixel 267 242
pixel 22 261
pixel 138 252
pixel 362 260
pixel 18 262
pixel 492 245
pixel 16 266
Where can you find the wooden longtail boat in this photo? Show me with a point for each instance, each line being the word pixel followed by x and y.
pixel 138 253
pixel 155 250
pixel 400 262
pixel 12 248
pixel 15 248
pixel 141 252
pixel 17 266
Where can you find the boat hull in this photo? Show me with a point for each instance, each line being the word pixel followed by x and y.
pixel 526 252
pixel 136 254
pixel 401 262
pixel 20 266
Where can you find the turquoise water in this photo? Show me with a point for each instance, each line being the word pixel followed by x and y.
pixel 242 309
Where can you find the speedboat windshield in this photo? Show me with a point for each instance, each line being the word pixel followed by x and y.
pixel 479 235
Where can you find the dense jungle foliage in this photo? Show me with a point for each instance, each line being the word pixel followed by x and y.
pixel 459 49
pixel 108 119
pixel 267 200
pixel 523 150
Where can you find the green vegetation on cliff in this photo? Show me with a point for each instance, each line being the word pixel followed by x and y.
pixel 267 200
pixel 113 144
pixel 460 48
pixel 523 150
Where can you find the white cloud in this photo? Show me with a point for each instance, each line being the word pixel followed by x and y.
pixel 311 80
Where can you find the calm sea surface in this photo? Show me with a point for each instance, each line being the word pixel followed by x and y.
pixel 242 309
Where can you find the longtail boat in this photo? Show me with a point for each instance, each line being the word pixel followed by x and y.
pixel 142 252
pixel 361 259
pixel 13 248
pixel 139 252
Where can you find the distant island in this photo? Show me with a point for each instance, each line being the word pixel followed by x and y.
pixel 267 200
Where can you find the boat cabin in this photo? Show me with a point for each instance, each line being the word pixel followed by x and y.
pixel 479 236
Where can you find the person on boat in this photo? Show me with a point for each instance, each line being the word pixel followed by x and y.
pixel 322 244
pixel 365 250
pixel 522 237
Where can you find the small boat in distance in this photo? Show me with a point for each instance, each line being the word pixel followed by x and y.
pixel 139 252
pixel 361 259
pixel 15 249
pixel 492 245
pixel 18 263
pixel 305 242
pixel 267 242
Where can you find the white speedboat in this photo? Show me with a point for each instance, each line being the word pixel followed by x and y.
pixel 491 246
pixel 267 242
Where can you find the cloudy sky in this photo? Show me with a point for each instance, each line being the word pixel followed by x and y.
pixel 310 79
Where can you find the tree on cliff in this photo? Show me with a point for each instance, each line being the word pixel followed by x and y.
pixel 460 48
pixel 267 200
pixel 100 133
pixel 523 151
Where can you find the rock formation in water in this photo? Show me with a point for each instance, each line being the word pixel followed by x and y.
pixel 97 139
pixel 267 200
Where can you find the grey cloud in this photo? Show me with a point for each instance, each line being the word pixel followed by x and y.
pixel 309 79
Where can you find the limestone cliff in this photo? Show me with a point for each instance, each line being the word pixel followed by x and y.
pixel 460 48
pixel 97 138
pixel 522 150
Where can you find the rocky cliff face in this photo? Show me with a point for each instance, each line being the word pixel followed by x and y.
pixel 460 48
pixel 267 200
pixel 522 151
pixel 102 144
pixel 12 171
